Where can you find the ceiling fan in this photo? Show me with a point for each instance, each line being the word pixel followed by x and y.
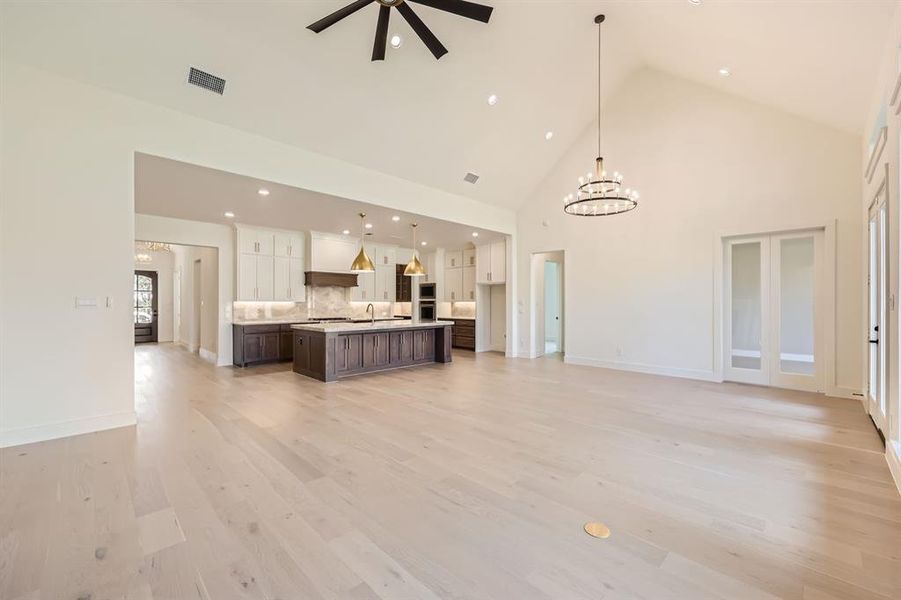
pixel 470 10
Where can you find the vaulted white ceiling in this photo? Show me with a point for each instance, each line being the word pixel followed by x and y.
pixel 428 121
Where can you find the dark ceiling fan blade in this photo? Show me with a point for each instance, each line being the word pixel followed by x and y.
pixel 470 10
pixel 424 33
pixel 381 33
pixel 339 14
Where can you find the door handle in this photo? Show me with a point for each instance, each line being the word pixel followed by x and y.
pixel 876 341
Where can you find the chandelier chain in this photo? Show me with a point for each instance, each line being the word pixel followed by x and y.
pixel 599 90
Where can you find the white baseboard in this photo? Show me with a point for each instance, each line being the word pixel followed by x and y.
pixel 51 431
pixel 208 356
pixel 643 368
pixel 845 392
pixel 893 458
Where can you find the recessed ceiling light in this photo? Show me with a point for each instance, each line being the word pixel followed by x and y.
pixel 695 2
pixel 346 232
pixel 725 72
pixel 229 215
pixel 548 135
pixel 395 218
pixel 492 99
pixel 396 41
pixel 263 192
pixel 423 243
pixel 368 225
pixel 475 234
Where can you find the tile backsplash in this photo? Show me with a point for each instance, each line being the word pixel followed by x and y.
pixel 322 301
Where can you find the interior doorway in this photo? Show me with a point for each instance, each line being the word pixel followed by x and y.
pixel 547 295
pixel 553 307
pixel 774 294
pixel 877 301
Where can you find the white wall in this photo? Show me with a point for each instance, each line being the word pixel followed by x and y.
pixel 67 150
pixel 163 263
pixel 888 162
pixel 705 162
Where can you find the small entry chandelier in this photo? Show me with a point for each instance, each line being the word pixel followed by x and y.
pixel 600 194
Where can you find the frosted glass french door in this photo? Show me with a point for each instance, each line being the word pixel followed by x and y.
pixel 877 294
pixel 773 291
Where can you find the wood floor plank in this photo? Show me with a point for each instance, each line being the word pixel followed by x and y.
pixel 465 481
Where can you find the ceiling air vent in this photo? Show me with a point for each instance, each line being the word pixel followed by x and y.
pixel 471 178
pixel 206 81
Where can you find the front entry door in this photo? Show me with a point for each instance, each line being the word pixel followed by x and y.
pixel 145 306
pixel 877 294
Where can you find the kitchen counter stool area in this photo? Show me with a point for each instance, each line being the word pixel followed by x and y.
pixel 329 353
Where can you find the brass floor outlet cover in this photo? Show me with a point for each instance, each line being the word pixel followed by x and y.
pixel 597 529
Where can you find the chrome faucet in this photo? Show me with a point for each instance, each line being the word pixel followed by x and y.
pixel 370 307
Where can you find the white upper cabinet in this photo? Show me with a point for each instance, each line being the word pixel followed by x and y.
pixel 498 272
pixel 333 253
pixel 270 265
pixel 469 283
pixel 428 263
pixel 380 285
pixel 491 263
pixel 288 283
pixel 469 257
pixel 452 260
pixel 289 245
pixel 453 285
pixel 385 255
pixel 385 282
pixel 252 240
pixel 247 277
pixel 483 263
pixel 365 290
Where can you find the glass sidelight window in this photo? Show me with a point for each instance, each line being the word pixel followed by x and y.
pixel 143 305
pixel 746 306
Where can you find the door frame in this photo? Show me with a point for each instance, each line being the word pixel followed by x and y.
pixel 882 420
pixel 536 301
pixel 828 303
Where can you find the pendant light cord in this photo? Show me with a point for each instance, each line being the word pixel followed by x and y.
pixel 599 91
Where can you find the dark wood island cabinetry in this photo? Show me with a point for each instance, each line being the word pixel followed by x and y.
pixel 330 352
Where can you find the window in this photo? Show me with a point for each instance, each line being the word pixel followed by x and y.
pixel 143 305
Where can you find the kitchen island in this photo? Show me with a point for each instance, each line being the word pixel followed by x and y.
pixel 330 351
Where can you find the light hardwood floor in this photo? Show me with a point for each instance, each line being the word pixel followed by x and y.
pixel 470 480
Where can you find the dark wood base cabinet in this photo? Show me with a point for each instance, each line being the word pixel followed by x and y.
pixel 331 356
pixel 261 343
pixel 465 334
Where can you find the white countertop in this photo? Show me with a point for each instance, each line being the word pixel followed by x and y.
pixel 296 321
pixel 377 326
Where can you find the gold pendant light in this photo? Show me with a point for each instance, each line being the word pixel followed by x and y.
pixel 362 263
pixel 414 268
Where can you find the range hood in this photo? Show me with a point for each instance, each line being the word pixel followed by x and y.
pixel 328 279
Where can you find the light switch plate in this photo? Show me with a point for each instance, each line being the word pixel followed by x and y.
pixel 109 301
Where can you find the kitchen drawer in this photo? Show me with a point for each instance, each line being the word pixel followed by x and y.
pixel 464 341
pixel 262 328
